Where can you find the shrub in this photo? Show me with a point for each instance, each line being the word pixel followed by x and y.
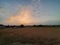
pixel 21 25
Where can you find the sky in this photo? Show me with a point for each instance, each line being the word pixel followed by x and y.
pixel 30 12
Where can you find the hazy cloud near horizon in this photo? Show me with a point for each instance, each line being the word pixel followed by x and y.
pixel 40 11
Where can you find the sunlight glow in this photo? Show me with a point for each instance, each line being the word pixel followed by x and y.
pixel 22 17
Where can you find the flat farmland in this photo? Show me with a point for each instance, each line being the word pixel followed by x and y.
pixel 30 36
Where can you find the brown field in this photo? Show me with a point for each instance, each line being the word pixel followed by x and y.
pixel 30 36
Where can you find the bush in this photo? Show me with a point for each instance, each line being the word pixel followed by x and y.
pixel 21 25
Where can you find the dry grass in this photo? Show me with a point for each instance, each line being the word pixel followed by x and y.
pixel 30 36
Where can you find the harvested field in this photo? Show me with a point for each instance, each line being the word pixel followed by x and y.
pixel 30 36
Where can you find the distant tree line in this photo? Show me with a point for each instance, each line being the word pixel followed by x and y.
pixel 11 26
pixel 21 26
pixel 46 25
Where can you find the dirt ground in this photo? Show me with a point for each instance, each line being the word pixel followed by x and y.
pixel 30 36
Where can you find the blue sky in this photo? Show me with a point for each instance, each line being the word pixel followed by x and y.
pixel 41 11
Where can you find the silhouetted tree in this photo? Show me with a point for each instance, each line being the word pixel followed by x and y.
pixel 34 25
pixel 21 25
pixel 40 25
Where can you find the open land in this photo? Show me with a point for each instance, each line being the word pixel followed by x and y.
pixel 30 36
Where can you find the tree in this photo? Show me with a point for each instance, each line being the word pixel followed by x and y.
pixel 21 25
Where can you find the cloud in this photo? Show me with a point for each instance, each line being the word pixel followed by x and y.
pixel 7 10
pixel 26 14
pixel 22 17
pixel 17 13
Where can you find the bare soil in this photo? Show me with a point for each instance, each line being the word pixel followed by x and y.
pixel 30 36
